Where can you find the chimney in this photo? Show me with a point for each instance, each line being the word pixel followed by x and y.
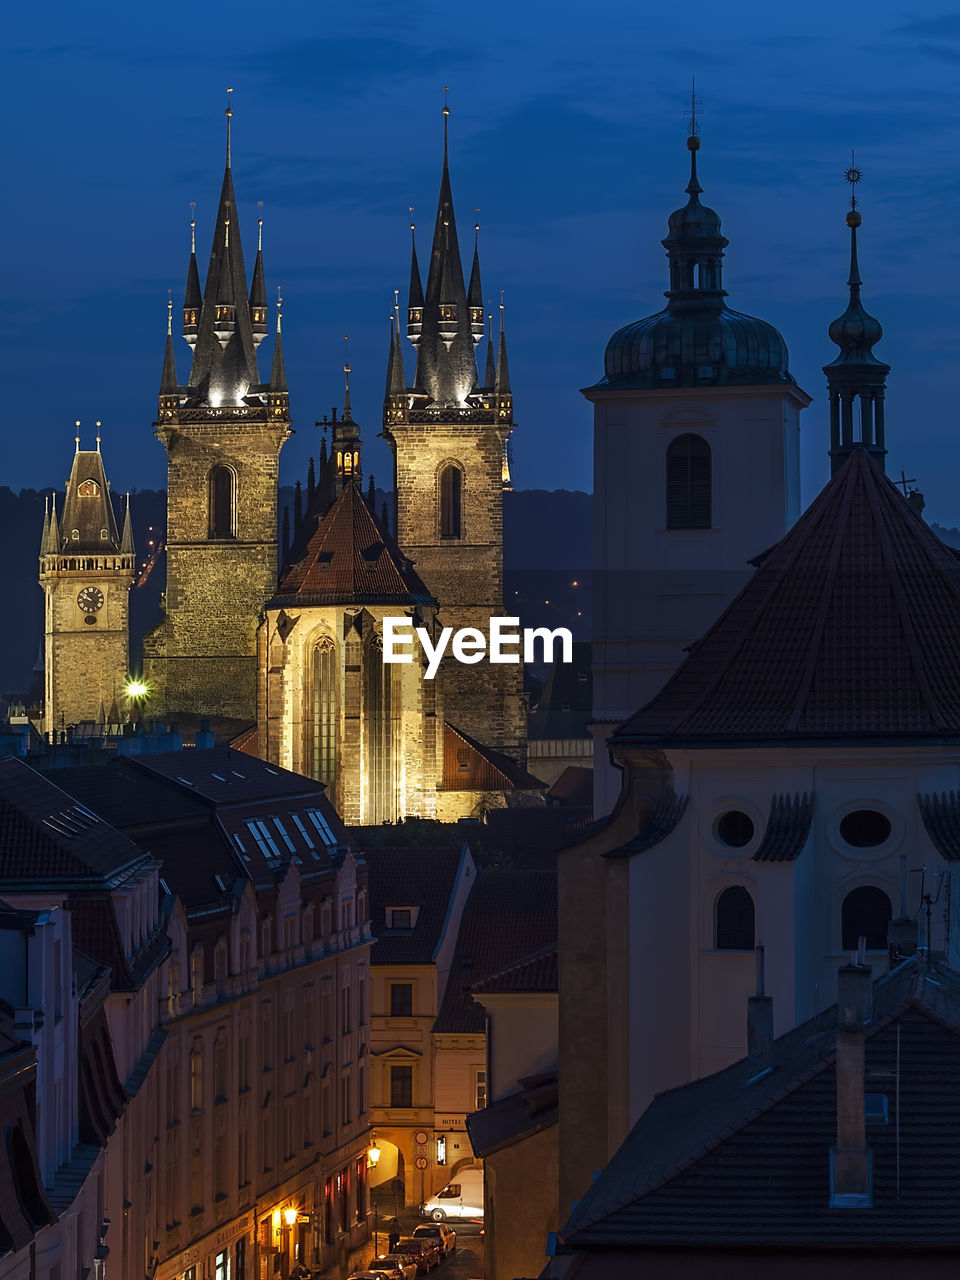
pixel 851 1164
pixel 760 1019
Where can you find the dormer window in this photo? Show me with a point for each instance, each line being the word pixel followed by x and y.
pixel 402 917
pixel 88 489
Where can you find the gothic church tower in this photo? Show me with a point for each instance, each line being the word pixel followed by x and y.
pixel 223 432
pixel 86 571
pixel 448 434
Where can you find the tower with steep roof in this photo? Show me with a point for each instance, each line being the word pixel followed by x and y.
pixel 696 470
pixel 223 431
pixel 447 432
pixel 86 570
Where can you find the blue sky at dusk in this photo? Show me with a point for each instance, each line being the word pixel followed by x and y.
pixel 567 129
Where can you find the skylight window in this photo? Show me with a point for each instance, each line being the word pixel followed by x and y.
pixel 283 834
pixel 308 839
pixel 323 827
pixel 264 838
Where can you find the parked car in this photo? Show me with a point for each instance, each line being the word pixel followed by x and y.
pixel 426 1252
pixel 445 1236
pixel 460 1199
pixel 394 1266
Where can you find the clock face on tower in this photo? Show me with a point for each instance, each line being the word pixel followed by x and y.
pixel 90 599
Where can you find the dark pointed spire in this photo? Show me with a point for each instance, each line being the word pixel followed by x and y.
pixel 278 372
pixel 53 531
pixel 856 373
pixel 345 439
pixel 45 535
pixel 127 547
pixel 168 377
pixel 502 384
pixel 446 364
pixel 192 296
pixel 475 291
pixel 490 372
pixel 258 288
pixel 323 454
pixel 415 296
pixel 224 368
pixel 372 496
pixel 285 535
pixel 297 508
pixel 311 481
pixel 384 518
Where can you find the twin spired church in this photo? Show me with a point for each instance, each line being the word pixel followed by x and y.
pixel 299 651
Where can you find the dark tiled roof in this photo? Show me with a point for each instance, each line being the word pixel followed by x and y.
pixel 486 769
pixel 508 914
pixel 574 786
pixel 424 877
pixel 224 776
pixel 531 837
pixel 566 703
pixel 741 1158
pixel 667 814
pixel 520 1115
pixel 89 515
pixel 536 972
pixel 349 560
pixel 47 836
pixel 847 630
pixel 788 827
pixel 124 795
pixel 941 817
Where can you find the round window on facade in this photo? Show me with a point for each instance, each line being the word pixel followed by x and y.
pixel 865 828
pixel 734 829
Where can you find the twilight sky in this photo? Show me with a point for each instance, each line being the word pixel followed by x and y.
pixel 567 129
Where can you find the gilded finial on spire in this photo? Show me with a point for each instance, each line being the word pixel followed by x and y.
pixel 347 413
pixel 229 114
pixel 76 438
pixel 260 227
pixel 193 226
pixel 446 117
pixel 476 226
pixel 279 308
pixel 446 109
pixel 853 176
pixel 99 424
pixel 169 312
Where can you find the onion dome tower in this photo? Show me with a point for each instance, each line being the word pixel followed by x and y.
pixel 696 470
pixel 856 374
pixel 697 340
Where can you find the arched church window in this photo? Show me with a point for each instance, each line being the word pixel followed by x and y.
pixel 866 914
pixel 379 735
pixel 736 926
pixel 223 503
pixel 323 713
pixel 451 494
pixel 689 483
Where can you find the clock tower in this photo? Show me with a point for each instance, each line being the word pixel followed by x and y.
pixel 86 571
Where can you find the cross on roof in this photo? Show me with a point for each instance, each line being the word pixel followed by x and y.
pixel 694 105
pixel 903 482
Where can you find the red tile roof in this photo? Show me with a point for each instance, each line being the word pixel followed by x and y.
pixel 849 629
pixel 468 765
pixel 536 972
pixel 348 560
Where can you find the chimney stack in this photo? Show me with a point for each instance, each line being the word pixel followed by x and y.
pixel 851 1166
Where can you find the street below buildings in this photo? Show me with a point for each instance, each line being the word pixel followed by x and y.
pixel 465 1263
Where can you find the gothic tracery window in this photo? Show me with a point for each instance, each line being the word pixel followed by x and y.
pixel 323 710
pixel 379 732
pixel 689 483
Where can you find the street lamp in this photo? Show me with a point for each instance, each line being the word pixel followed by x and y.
pixel 290 1216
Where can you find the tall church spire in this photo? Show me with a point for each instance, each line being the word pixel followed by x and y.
pixel 258 289
pixel 856 373
pixel 446 367
pixel 192 297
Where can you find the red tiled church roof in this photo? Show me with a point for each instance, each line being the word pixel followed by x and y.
pixel 850 628
pixel 348 560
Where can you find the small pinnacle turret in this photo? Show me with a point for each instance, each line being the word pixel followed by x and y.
pixel 168 377
pixel 475 291
pixel 490 370
pixel 193 297
pixel 856 373
pixel 278 371
pixel 345 442
pixel 127 547
pixel 502 392
pixel 258 290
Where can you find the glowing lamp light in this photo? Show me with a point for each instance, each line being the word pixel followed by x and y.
pixel 137 689
pixel 290 1216
pixel 373 1154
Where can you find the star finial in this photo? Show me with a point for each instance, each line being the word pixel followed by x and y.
pixel 853 176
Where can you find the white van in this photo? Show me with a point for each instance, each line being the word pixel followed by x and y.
pixel 460 1199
